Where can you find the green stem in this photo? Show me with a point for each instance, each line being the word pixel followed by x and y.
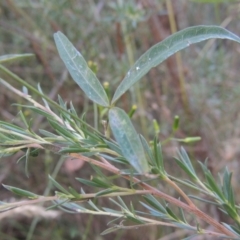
pixel 189 185
pixel 180 191
pixel 130 54
pixel 181 77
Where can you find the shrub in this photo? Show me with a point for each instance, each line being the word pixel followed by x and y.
pixel 130 156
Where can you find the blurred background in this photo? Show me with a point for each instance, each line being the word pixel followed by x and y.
pixel 200 85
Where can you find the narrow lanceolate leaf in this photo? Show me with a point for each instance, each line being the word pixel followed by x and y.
pixel 80 71
pixel 128 139
pixel 13 57
pixel 20 192
pixel 161 51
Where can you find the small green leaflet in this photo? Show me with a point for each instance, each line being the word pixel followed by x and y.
pixel 13 57
pixel 163 50
pixel 80 71
pixel 128 139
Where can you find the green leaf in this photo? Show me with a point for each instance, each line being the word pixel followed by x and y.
pixel 73 150
pixel 38 111
pixel 109 210
pixel 185 226
pixel 74 192
pixel 102 182
pixel 64 132
pixel 113 146
pixel 44 100
pixel 134 219
pixel 155 203
pixel 12 127
pixel 185 168
pixel 203 200
pixel 187 139
pixel 13 57
pixel 80 71
pixel 161 51
pixel 48 134
pixel 185 163
pixel 71 206
pixel 158 156
pixel 212 184
pixel 172 214
pixel 230 211
pixel 26 162
pixel 182 215
pixel 128 139
pixel 93 205
pixel 154 212
pixel 110 230
pixel 88 182
pixel 73 110
pixel 122 205
pixel 20 192
pixel 23 119
pixel 147 149
pixel 58 186
pixel 95 182
pixel 227 188
pixel 106 191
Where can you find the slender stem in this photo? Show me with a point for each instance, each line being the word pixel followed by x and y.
pixel 20 135
pixel 179 190
pixel 27 202
pixel 28 98
pixel 211 233
pixel 193 210
pixel 106 150
pixel 178 57
pixel 130 54
pixel 147 190
pixel 190 185
pixel 83 197
pixel 156 192
pixel 53 103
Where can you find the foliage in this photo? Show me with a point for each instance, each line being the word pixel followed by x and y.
pixel 130 156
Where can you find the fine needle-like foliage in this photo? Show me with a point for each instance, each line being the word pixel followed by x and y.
pixel 119 150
